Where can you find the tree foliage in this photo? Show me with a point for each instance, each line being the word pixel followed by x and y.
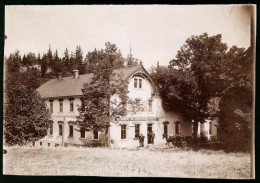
pixel 204 70
pixel 132 61
pixel 25 117
pixel 236 104
pixel 98 106
pixel 13 62
pixel 193 78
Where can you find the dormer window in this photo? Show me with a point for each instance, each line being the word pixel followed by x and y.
pixel 137 83
pixel 140 83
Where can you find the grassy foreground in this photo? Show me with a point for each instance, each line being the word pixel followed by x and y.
pixel 116 162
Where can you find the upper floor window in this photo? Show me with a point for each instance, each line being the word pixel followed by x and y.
pixel 123 131
pixel 71 105
pixel 51 105
pixel 150 103
pixel 82 104
pixel 61 105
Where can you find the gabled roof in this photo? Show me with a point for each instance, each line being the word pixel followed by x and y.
pixel 70 86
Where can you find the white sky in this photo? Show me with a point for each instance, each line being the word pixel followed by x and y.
pixel 156 31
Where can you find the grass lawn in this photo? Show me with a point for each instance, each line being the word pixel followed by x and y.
pixel 116 162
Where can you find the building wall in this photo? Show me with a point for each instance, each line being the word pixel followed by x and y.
pixel 156 117
pixel 66 118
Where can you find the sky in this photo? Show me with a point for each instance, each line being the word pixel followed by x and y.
pixel 156 32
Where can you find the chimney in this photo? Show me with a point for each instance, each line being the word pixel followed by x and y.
pixel 76 73
pixel 59 76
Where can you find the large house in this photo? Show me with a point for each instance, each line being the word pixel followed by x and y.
pixel 63 96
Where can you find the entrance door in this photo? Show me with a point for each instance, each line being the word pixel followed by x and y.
pixel 149 133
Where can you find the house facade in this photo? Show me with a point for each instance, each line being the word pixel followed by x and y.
pixel 63 97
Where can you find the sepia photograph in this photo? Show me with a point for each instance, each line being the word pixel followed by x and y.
pixel 130 91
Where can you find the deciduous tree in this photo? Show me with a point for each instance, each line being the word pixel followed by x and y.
pixel 193 80
pixel 99 108
pixel 25 116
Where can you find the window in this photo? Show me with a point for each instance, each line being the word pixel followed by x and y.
pixel 61 105
pixel 210 128
pixel 150 103
pixel 135 83
pixel 51 105
pixel 51 128
pixel 40 143
pixel 49 144
pixel 71 105
pixel 71 131
pixel 82 133
pixel 82 104
pixel 165 129
pixel 140 83
pixel 95 135
pixel 60 129
pixel 123 131
pixel 177 128
pixel 137 130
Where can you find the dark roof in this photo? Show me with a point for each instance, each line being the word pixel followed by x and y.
pixel 70 86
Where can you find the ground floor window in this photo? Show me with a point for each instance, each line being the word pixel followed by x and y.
pixel 71 131
pixel 82 133
pixel 150 133
pixel 137 130
pixel 177 128
pixel 210 128
pixel 95 135
pixel 165 129
pixel 123 131
pixel 51 127
pixel 60 129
